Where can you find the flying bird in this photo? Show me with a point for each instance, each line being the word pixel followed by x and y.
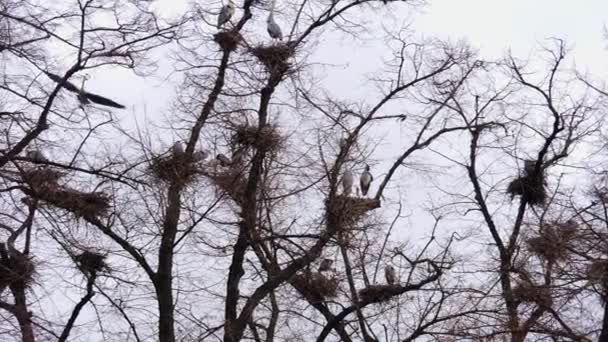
pixel 225 14
pixel 36 156
pixel 224 161
pixel 389 274
pixel 178 148
pixel 366 180
pixel 325 265
pixel 347 183
pixel 83 96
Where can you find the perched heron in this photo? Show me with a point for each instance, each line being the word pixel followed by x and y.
pixel 226 13
pixel 274 30
pixel 199 156
pixel 347 183
pixel 83 96
pixel 366 180
pixel 325 265
pixel 389 274
pixel 224 161
pixel 529 166
pixel 36 156
pixel 178 148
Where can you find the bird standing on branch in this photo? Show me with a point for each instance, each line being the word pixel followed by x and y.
pixel 389 274
pixel 83 96
pixel 274 30
pixel 226 13
pixel 36 156
pixel 347 183
pixel 366 180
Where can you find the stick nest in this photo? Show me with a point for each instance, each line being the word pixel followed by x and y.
pixel 344 211
pixel 378 293
pixel 268 138
pixel 529 293
pixel 317 285
pixel 44 179
pixel 90 262
pixel 274 57
pixel 81 204
pixel 231 182
pixel 598 272
pixel 228 40
pixel 16 269
pixel 554 240
pixel 174 167
pixel 531 186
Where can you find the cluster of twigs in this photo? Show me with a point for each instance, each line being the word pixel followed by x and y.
pixel 530 185
pixel 554 240
pixel 529 293
pixel 267 138
pixel 345 211
pixel 230 181
pixel 317 285
pixel 228 40
pixel 377 293
pixel 90 263
pixel 274 57
pixel 16 269
pixel 175 167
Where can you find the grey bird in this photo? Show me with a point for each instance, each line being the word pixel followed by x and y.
pixel 199 156
pixel 36 156
pixel 347 183
pixel 178 148
pixel 366 180
pixel 83 96
pixel 225 14
pixel 389 274
pixel 325 265
pixel 224 161
pixel 274 30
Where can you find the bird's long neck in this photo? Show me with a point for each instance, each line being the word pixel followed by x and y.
pixel 272 4
pixel 82 86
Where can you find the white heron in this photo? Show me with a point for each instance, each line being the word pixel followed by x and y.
pixel 325 265
pixel 274 30
pixel 36 156
pixel 226 13
pixel 389 274
pixel 347 183
pixel 366 180
pixel 83 96
pixel 178 148
pixel 224 161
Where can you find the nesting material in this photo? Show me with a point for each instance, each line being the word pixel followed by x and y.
pixel 598 272
pixel 273 57
pixel 228 40
pixel 42 179
pixel 230 181
pixel 174 167
pixel 268 138
pixel 82 204
pixel 90 262
pixel 529 185
pixel 317 285
pixel 378 293
pixel 16 269
pixel 554 240
pixel 344 211
pixel 529 293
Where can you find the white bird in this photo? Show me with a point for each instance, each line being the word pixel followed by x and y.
pixel 325 265
pixel 224 161
pixel 274 30
pixel 178 148
pixel 366 180
pixel 36 156
pixel 389 274
pixel 199 156
pixel 347 183
pixel 226 13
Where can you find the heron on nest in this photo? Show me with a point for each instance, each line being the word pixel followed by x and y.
pixel 366 180
pixel 389 274
pixel 347 183
pixel 274 30
pixel 36 156
pixel 226 13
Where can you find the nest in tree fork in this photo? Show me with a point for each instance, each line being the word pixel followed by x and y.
pixel 317 285
pixel 44 179
pixel 378 293
pixel 82 204
pixel 554 240
pixel 267 138
pixel 228 40
pixel 90 262
pixel 174 167
pixel 529 293
pixel 531 186
pixel 344 211
pixel 274 57
pixel 230 181
pixel 16 269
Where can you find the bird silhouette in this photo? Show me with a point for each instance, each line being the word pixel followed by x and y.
pixel 83 96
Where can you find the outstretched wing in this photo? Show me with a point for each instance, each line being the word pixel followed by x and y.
pixel 103 101
pixel 67 85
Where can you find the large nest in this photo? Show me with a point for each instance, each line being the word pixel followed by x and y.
pixel 317 285
pixel 90 262
pixel 554 240
pixel 531 185
pixel 528 293
pixel 82 204
pixel 274 57
pixel 231 182
pixel 16 269
pixel 175 167
pixel 267 138
pixel 598 273
pixel 228 40
pixel 43 179
pixel 344 211
pixel 378 293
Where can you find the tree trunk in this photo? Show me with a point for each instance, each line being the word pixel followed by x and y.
pixel 604 334
pixel 23 316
